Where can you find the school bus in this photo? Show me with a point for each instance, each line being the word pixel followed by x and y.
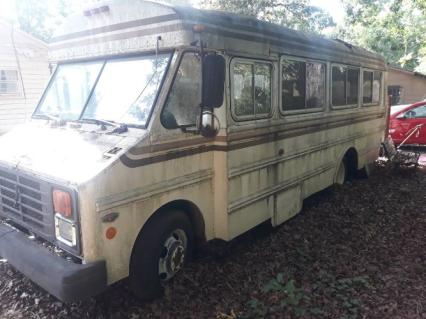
pixel 164 127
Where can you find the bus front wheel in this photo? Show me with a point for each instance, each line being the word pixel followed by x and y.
pixel 161 250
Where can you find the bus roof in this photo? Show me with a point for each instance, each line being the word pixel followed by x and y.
pixel 129 26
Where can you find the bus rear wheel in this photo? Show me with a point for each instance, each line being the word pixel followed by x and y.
pixel 342 173
pixel 160 252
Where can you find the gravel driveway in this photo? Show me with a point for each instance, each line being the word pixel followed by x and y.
pixel 355 251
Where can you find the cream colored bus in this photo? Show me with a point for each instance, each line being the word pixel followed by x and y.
pixel 163 127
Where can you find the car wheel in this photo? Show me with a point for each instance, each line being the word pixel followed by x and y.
pixel 160 252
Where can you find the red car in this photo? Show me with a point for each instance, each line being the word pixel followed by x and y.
pixel 403 121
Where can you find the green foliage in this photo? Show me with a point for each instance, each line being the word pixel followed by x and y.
pixel 299 15
pixel 393 28
pixel 280 295
pixel 342 289
pixel 41 17
pixel 286 295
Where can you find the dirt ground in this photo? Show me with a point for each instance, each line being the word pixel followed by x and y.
pixel 355 251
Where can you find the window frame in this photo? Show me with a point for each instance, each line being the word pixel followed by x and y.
pixel 400 90
pixel 18 92
pixel 170 87
pixel 380 91
pixel 414 108
pixel 161 86
pixel 253 62
pixel 346 106
pixel 305 110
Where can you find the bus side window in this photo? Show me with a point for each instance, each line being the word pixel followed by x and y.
pixel 183 103
pixel 377 84
pixel 352 86
pixel 293 85
pixel 367 87
pixel 303 85
pixel 315 85
pixel 372 84
pixel 345 86
pixel 251 89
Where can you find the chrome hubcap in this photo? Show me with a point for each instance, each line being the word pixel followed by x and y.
pixel 172 255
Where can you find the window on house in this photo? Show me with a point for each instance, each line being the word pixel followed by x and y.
pixel 303 85
pixel 9 82
pixel 395 91
pixel 371 87
pixel 345 86
pixel 251 89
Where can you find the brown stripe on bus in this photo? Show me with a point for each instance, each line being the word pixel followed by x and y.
pixel 239 143
pixel 116 27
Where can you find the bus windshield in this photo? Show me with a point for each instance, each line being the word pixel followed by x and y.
pixel 115 90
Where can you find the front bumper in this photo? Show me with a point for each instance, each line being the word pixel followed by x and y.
pixel 65 280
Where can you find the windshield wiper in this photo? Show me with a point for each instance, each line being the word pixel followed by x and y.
pixel 57 119
pixel 118 127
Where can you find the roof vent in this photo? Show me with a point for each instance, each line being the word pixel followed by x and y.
pixel 111 152
pixel 350 46
pixel 94 11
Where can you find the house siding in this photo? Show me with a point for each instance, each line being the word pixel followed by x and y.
pixel 33 72
pixel 413 85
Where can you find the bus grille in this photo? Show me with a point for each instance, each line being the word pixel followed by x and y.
pixel 26 201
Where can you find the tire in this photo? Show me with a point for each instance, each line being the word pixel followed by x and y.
pixel 342 173
pixel 366 171
pixel 159 253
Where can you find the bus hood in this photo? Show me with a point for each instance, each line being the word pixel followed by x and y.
pixel 64 154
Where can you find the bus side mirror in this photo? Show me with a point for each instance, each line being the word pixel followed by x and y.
pixel 213 81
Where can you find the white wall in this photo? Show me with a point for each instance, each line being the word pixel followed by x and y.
pixel 34 72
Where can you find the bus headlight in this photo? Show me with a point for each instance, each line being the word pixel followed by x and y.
pixel 65 231
pixel 65 228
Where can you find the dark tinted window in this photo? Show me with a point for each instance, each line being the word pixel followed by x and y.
pixel 293 85
pixel 251 89
pixel 339 86
pixel 395 91
pixel 345 86
pixel 303 85
pixel 367 87
pixel 353 86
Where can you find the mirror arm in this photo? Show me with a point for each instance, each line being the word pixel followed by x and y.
pixel 192 130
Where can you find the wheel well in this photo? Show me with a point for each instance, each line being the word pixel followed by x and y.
pixel 351 160
pixel 193 213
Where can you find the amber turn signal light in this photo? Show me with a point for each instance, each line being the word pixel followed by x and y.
pixel 198 28
pixel 111 232
pixel 62 203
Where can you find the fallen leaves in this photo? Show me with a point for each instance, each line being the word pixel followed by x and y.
pixel 355 251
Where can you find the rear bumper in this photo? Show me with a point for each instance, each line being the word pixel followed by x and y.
pixel 65 280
